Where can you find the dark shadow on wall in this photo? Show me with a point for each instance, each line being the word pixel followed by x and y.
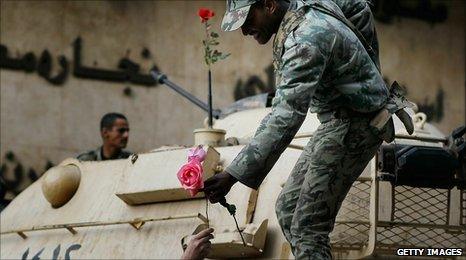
pixel 426 10
pixel 255 85
pixel 433 109
pixel 14 178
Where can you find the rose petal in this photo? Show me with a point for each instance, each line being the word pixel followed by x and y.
pixel 190 176
pixel 197 153
pixel 205 14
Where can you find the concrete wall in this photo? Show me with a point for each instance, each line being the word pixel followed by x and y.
pixel 429 60
pixel 41 122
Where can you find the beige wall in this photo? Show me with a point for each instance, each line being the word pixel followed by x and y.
pixel 41 122
pixel 429 59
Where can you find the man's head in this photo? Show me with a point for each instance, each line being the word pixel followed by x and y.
pixel 114 130
pixel 259 18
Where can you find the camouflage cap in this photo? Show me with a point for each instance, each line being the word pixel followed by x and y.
pixel 237 11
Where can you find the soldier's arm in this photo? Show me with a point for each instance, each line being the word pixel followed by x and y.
pixel 359 13
pixel 262 125
pixel 301 70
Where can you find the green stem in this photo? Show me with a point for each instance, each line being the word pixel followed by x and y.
pixel 210 98
pixel 232 210
pixel 207 211
pixel 207 43
pixel 240 233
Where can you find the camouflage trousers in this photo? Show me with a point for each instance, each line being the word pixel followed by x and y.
pixel 309 202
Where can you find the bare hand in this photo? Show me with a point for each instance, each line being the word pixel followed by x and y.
pixel 217 186
pixel 199 246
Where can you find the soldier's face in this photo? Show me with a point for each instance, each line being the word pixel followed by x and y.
pixel 118 135
pixel 261 22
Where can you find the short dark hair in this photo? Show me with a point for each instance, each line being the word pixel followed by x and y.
pixel 108 120
pixel 261 3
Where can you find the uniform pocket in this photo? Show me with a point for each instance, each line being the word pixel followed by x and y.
pixel 360 136
pixel 328 147
pixel 333 131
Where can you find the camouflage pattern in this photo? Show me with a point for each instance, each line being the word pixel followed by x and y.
pixel 320 65
pixel 96 155
pixel 359 13
pixel 236 14
pixel 397 99
pixel 309 202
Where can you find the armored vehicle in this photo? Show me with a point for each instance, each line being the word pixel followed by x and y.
pixel 411 195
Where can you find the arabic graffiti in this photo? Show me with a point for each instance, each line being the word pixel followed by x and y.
pixel 56 252
pixel 28 63
pixel 434 109
pixel 14 178
pixel 255 85
pixel 385 10
pixel 128 70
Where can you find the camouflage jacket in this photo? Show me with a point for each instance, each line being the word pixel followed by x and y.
pixel 359 13
pixel 96 155
pixel 320 65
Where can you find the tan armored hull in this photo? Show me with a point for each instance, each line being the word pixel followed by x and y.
pixel 135 208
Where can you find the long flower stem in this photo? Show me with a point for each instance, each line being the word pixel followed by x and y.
pixel 210 99
pixel 209 60
pixel 232 210
pixel 207 211
pixel 240 233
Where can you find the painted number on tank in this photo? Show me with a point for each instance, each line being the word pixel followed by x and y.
pixel 56 252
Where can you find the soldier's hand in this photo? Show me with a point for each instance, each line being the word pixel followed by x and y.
pixel 199 246
pixel 217 186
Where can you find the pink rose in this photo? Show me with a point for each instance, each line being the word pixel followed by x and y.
pixel 190 176
pixel 196 153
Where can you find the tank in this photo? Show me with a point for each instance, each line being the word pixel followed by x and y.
pixel 136 209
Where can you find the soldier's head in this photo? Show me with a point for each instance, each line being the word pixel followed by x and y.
pixel 259 18
pixel 114 129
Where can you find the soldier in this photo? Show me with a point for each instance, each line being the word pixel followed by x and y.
pixel 320 65
pixel 114 130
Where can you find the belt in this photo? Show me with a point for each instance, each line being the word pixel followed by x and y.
pixel 344 113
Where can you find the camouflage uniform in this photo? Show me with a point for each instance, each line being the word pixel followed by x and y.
pixel 321 66
pixel 96 155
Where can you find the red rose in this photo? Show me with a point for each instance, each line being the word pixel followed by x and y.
pixel 205 14
pixel 190 176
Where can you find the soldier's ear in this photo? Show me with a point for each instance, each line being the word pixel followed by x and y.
pixel 104 133
pixel 270 6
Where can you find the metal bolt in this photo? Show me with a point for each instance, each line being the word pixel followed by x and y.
pixel 134 157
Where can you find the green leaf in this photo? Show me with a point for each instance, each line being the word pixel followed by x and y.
pixel 213 42
pixel 224 56
pixel 214 34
